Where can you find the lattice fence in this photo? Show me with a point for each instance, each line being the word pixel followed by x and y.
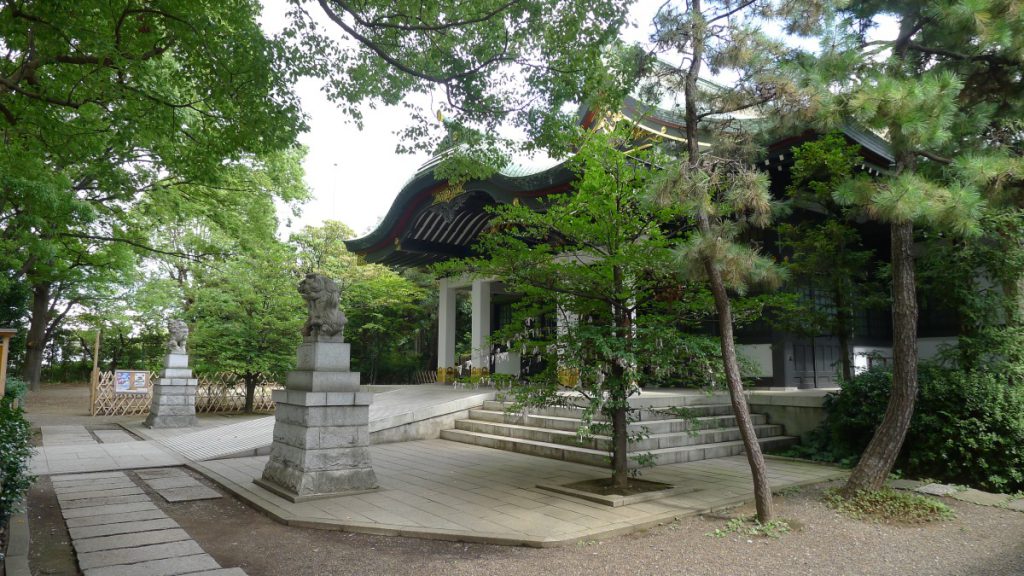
pixel 129 393
pixel 121 393
pixel 225 392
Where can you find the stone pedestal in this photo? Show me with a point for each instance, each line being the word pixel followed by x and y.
pixel 174 395
pixel 321 428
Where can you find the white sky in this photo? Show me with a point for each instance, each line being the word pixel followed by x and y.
pixel 353 175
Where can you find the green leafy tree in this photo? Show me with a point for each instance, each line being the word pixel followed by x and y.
pixel 247 317
pixel 943 86
pixel 595 255
pixel 826 253
pixel 483 63
pixel 385 310
pixel 979 278
pixel 102 103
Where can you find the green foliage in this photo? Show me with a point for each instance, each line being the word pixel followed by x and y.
pixel 495 62
pixel 933 84
pixel 387 312
pixel 888 505
pixel 826 259
pixel 118 118
pixel 968 429
pixel 595 258
pixel 247 316
pixel 15 388
pixel 751 526
pixel 979 278
pixel 15 453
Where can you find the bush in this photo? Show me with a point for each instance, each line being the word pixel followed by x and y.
pixel 15 388
pixel 15 452
pixel 968 427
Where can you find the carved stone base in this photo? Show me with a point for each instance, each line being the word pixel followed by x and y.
pixel 174 395
pixel 321 445
pixel 166 421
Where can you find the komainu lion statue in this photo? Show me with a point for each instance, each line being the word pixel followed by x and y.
pixel 179 334
pixel 325 318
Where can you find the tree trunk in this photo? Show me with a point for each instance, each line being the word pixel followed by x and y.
pixel 881 453
pixel 250 391
pixel 762 490
pixel 620 451
pixel 844 330
pixel 619 396
pixel 36 342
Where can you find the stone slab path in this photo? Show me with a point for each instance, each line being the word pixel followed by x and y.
pixel 75 451
pixel 175 485
pixel 448 490
pixel 117 530
pixel 1011 502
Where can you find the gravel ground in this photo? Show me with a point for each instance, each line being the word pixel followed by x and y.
pixel 981 541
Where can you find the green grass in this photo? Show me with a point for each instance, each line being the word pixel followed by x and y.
pixel 888 505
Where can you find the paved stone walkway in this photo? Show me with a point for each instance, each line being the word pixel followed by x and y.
pixel 117 530
pixel 448 490
pixel 175 485
pixel 69 449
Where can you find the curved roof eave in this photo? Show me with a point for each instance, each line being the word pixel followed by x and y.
pixel 419 192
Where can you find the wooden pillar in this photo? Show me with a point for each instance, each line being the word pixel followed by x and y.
pixel 5 344
pixel 94 378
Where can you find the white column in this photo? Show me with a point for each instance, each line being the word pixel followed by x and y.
pixel 445 329
pixel 481 299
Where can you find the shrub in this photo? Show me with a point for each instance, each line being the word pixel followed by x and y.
pixel 15 388
pixel 968 427
pixel 15 452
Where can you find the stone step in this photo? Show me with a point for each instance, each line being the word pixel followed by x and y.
pixel 573 424
pixel 717 450
pixel 603 442
pixel 600 458
pixel 643 415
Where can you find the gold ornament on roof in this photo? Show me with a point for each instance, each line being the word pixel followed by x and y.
pixel 448 193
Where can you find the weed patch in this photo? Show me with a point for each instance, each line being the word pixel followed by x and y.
pixel 888 505
pixel 749 526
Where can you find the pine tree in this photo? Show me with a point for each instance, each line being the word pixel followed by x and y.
pixel 944 88
pixel 719 189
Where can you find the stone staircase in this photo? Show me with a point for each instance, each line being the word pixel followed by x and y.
pixel 709 431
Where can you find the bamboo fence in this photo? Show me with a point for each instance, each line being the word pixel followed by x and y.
pixel 132 395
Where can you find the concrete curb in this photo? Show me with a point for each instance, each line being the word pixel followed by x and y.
pixel 17 549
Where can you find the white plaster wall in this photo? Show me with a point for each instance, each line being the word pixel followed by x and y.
pixel 760 355
pixel 507 363
pixel 861 354
pixel 929 348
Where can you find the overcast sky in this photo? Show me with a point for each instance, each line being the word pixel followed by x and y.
pixel 354 175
